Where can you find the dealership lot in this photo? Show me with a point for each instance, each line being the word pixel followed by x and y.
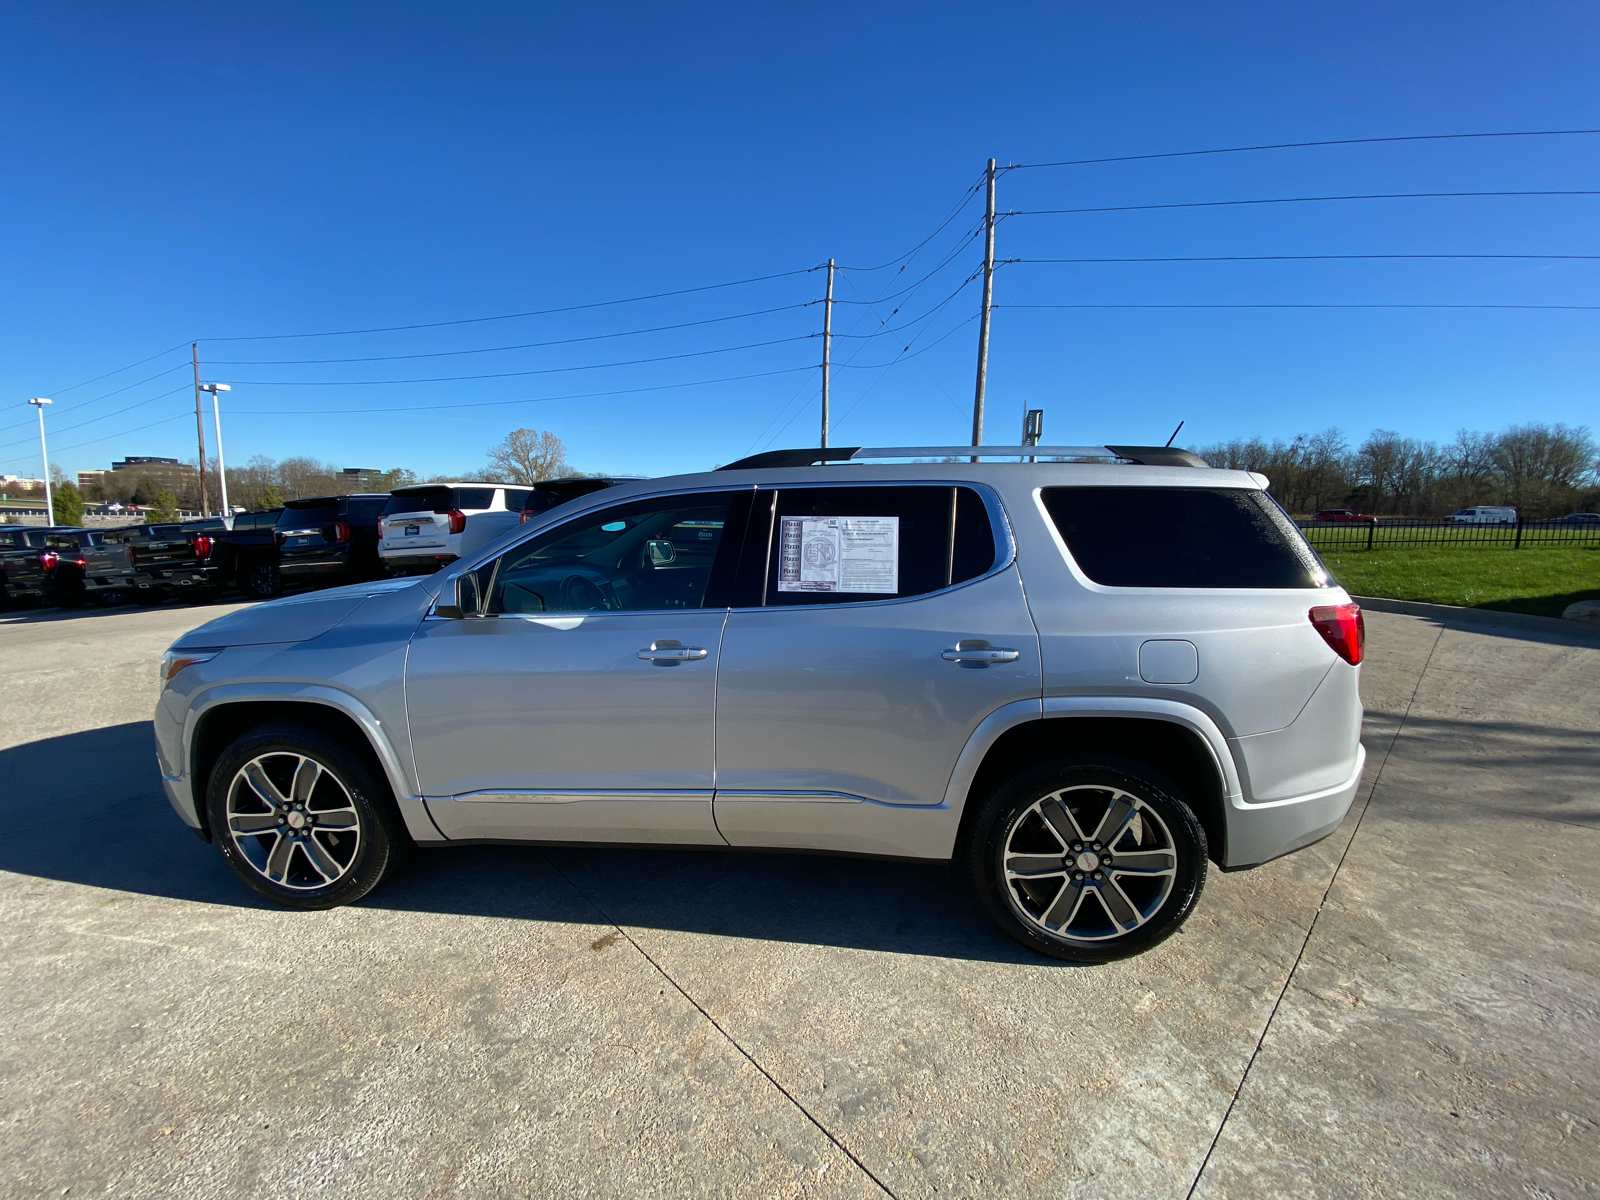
pixel 1407 1009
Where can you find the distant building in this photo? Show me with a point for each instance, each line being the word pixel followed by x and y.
pixel 162 474
pixel 359 479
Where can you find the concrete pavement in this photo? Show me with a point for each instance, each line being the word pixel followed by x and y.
pixel 1407 1009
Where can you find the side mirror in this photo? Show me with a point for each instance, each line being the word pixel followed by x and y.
pixel 469 601
pixel 660 552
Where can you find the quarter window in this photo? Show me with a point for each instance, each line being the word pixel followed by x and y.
pixel 846 545
pixel 1182 537
pixel 646 556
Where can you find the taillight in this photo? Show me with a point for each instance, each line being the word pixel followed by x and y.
pixel 48 561
pixel 341 531
pixel 1342 627
pixel 458 521
pixel 131 560
pixel 523 519
pixel 83 562
pixel 202 547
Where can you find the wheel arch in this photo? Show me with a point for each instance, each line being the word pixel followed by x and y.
pixel 1180 742
pixel 226 713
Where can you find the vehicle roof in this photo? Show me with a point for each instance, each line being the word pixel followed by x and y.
pixel 448 483
pixel 311 501
pixel 1003 477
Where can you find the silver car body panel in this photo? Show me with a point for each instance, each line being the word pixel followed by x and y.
pixel 829 727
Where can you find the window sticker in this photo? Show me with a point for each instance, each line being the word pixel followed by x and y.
pixel 839 554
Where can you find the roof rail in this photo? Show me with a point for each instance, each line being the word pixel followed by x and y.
pixel 1149 456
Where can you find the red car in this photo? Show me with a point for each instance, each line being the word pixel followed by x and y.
pixel 1344 516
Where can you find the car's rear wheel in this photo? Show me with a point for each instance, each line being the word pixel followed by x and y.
pixel 1087 861
pixel 261 581
pixel 301 819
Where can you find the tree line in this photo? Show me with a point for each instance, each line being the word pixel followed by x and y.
pixel 524 456
pixel 1544 470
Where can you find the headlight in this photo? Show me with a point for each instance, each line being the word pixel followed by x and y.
pixel 174 661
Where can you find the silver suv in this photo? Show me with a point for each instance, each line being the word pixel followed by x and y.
pixel 1082 680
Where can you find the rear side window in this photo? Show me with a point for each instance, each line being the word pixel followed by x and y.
pixel 542 497
pixel 1182 537
pixel 474 497
pixel 846 545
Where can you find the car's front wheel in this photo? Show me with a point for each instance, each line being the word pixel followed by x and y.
pixel 301 819
pixel 1087 861
pixel 261 581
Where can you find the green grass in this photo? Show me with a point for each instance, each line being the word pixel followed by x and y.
pixel 1542 580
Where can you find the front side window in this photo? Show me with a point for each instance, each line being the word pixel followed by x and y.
pixel 845 545
pixel 1182 537
pixel 640 557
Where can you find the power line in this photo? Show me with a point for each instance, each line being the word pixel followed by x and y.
pixel 75 386
pixel 632 362
pixel 1538 307
pixel 659 387
pixel 108 395
pixel 966 199
pixel 593 337
pixel 1416 137
pixel 541 312
pixel 1305 258
pixel 102 417
pixel 1047 212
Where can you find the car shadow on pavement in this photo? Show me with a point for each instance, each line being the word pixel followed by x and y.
pixel 87 808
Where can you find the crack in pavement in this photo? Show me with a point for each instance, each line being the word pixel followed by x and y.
pixel 731 1040
pixel 1312 927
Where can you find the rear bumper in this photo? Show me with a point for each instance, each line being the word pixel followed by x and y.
pixel 416 562
pixel 1258 833
pixel 328 566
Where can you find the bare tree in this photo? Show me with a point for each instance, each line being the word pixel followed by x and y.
pixel 527 456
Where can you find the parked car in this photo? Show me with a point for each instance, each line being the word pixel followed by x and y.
pixel 52 573
pixel 1343 516
pixel 17 542
pixel 1579 518
pixel 548 493
pixel 424 528
pixel 247 554
pixel 1082 681
pixel 172 559
pixel 1485 514
pixel 330 539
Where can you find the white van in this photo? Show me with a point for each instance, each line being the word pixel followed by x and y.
pixel 1485 514
pixel 423 528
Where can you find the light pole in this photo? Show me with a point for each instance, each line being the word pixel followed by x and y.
pixel 49 506
pixel 216 413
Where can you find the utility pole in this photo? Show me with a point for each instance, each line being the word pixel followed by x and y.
pixel 44 452
pixel 983 323
pixel 827 347
pixel 199 427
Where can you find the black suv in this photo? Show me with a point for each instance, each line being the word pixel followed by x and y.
pixel 330 538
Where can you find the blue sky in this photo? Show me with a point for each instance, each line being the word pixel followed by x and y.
pixel 170 172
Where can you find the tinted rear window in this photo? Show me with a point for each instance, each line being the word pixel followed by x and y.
pixel 365 508
pixel 432 499
pixel 1182 537
pixel 474 497
pixel 545 496
pixel 304 517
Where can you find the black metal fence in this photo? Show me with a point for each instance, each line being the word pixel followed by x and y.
pixel 1384 534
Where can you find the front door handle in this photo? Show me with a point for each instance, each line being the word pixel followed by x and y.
pixel 980 652
pixel 672 652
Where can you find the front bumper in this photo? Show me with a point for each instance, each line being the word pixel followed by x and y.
pixel 1259 833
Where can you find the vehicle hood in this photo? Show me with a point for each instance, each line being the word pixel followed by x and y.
pixel 294 619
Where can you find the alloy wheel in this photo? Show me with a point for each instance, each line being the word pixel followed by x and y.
pixel 1088 863
pixel 293 820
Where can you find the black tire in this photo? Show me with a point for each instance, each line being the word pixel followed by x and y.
pixel 110 597
pixel 355 836
pixel 1044 823
pixel 149 597
pixel 260 580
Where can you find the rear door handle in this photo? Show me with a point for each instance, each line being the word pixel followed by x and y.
pixel 981 654
pixel 670 652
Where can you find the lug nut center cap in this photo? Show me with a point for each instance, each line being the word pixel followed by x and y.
pixel 1087 861
pixel 297 820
